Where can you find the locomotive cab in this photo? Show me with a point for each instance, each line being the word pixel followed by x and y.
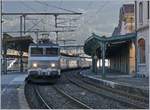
pixel 44 61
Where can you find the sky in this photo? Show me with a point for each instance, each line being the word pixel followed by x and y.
pixel 99 17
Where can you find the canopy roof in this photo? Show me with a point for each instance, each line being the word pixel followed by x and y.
pixel 94 42
pixel 17 42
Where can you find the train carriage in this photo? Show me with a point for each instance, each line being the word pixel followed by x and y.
pixel 45 62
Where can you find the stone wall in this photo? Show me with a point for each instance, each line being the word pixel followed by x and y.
pixel 143 69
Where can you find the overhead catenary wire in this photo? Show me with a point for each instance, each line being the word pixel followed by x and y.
pixel 37 23
pixel 53 6
pixel 101 8
pixel 90 4
pixel 79 17
pixel 60 3
pixel 46 4
pixel 27 6
pixel 97 12
pixel 34 24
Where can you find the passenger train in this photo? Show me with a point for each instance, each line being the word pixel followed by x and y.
pixel 45 62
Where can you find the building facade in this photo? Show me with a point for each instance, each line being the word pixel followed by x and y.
pixel 126 20
pixel 126 25
pixel 142 29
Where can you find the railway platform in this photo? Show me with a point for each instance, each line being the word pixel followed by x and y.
pixel 12 91
pixel 118 81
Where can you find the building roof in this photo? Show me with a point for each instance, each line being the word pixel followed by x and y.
pixel 125 9
pixel 94 42
pixel 17 42
pixel 115 32
pixel 44 44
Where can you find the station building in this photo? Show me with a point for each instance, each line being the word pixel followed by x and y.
pixel 128 47
pixel 115 48
pixel 126 25
pixel 126 20
pixel 142 29
pixel 15 47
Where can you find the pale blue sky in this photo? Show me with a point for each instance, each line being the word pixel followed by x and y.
pixel 99 16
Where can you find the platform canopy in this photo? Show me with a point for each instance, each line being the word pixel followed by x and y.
pixel 95 42
pixel 17 42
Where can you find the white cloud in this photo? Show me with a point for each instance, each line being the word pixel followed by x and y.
pixel 81 10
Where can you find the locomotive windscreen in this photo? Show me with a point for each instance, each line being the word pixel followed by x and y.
pixel 36 51
pixel 52 51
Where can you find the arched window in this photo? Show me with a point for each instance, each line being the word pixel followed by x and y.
pixel 141 46
pixel 141 12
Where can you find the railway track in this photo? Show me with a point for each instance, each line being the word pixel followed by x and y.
pixel 126 94
pixel 41 99
pixel 34 97
pixel 75 100
pixel 43 103
pixel 128 100
pixel 71 99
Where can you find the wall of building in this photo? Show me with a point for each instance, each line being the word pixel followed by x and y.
pixel 142 32
pixel 127 25
pixel 125 62
pixel 143 68
pixel 126 19
pixel 145 14
pixel 120 61
pixel 132 58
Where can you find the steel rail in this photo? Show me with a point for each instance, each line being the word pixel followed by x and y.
pixel 100 92
pixel 72 98
pixel 129 95
pixel 42 101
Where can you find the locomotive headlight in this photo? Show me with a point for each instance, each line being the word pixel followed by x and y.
pixel 34 65
pixel 53 64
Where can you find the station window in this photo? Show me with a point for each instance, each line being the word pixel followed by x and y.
pixel 141 13
pixel 141 46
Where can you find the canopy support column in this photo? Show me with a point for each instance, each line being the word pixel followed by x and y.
pixel 94 63
pixel 103 49
pixel 5 59
pixel 21 60
pixel 4 64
